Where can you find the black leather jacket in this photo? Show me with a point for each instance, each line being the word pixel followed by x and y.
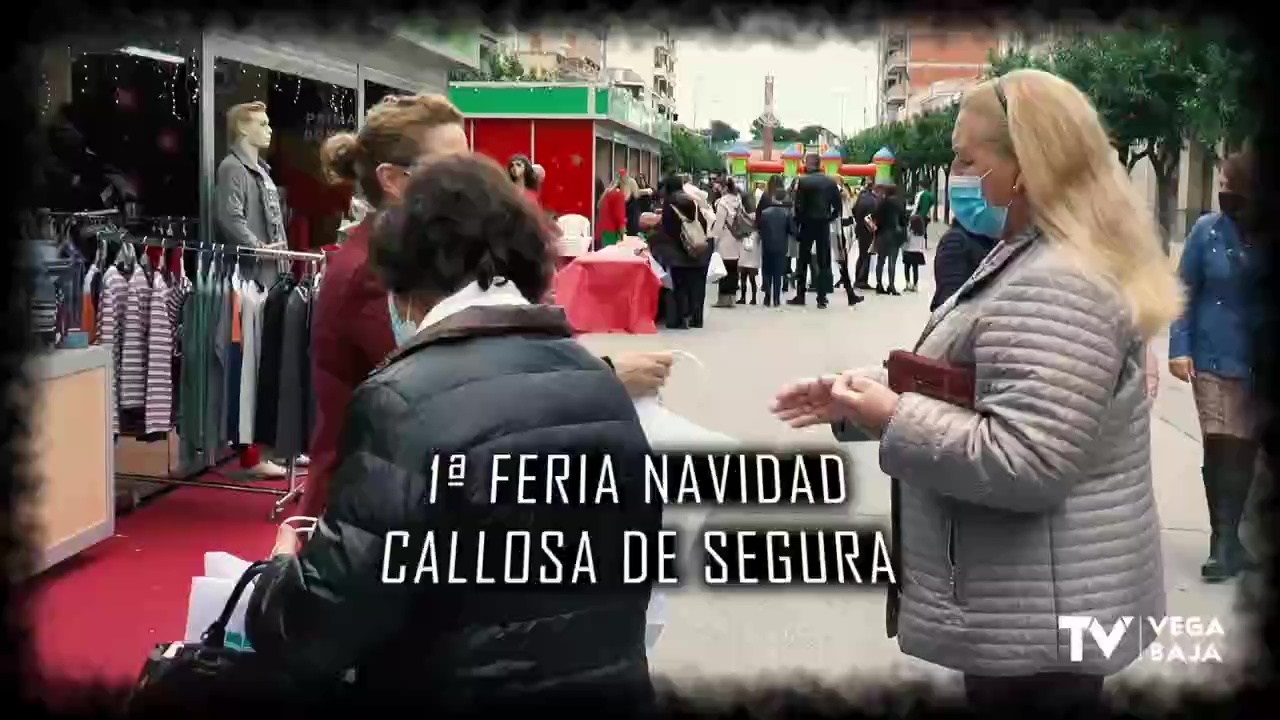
pixel 500 379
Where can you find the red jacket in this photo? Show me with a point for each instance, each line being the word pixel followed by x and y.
pixel 612 215
pixel 350 335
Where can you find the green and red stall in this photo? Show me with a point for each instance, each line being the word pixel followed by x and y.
pixel 578 132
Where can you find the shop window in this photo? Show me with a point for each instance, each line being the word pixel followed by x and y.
pixel 303 114
pixel 122 130
pixel 374 92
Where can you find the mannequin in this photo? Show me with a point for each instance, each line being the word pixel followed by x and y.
pixel 247 212
pixel 247 202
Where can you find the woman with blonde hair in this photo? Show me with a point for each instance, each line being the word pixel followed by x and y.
pixel 1024 507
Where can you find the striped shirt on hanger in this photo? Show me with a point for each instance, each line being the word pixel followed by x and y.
pixel 133 353
pixel 115 290
pixel 159 371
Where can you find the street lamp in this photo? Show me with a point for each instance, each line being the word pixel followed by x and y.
pixel 842 93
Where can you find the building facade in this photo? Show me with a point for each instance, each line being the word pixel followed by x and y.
pixel 647 63
pixel 567 55
pixel 921 65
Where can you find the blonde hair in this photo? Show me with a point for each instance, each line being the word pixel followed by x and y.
pixel 240 114
pixel 629 186
pixel 390 134
pixel 1080 194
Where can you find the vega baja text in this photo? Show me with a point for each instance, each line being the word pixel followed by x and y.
pixel 561 560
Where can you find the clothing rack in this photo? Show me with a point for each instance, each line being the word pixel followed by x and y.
pixel 294 488
pixel 79 213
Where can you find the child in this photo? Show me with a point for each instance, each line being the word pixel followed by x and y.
pixel 776 228
pixel 913 253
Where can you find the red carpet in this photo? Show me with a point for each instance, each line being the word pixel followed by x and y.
pixel 97 615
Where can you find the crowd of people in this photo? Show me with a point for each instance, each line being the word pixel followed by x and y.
pixel 1032 498
pixel 774 238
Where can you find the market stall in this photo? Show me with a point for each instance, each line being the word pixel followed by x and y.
pixel 581 133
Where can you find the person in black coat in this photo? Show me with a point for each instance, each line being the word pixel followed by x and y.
pixel 816 205
pixel 959 254
pixel 863 208
pixel 688 271
pixel 482 369
pixel 890 217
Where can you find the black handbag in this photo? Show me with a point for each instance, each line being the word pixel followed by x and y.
pixel 198 674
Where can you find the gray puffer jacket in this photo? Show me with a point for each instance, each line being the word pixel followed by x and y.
pixel 1039 503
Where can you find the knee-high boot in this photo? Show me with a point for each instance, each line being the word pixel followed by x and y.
pixel 1212 567
pixel 1237 480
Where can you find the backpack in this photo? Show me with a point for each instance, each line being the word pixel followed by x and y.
pixel 692 236
pixel 740 226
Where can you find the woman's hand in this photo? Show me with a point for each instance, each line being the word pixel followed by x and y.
pixel 806 402
pixel 286 541
pixel 643 374
pixel 1182 368
pixel 863 401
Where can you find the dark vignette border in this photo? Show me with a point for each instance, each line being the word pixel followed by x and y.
pixel 764 697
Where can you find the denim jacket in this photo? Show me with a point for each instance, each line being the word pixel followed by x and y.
pixel 1221 312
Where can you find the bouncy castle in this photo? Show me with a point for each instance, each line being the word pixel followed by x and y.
pixel 741 166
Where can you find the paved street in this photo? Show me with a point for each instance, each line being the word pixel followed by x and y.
pixel 749 352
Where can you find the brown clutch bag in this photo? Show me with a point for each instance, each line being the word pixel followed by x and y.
pixel 940 380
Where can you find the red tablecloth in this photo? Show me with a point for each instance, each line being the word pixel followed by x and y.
pixel 609 294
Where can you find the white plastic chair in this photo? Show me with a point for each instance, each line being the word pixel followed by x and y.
pixel 575 235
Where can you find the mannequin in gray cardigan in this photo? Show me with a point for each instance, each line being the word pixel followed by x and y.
pixel 246 200
pixel 247 212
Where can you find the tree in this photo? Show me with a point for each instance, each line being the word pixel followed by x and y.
pixel 690 153
pixel 809 134
pixel 781 135
pixel 500 66
pixel 722 132
pixel 1155 88
pixel 921 145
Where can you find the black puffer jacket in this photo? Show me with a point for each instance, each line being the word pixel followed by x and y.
pixel 504 379
pixel 665 241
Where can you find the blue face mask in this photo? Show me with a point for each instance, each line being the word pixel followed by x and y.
pixel 403 330
pixel 971 208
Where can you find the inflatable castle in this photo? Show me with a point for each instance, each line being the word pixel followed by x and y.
pixel 741 165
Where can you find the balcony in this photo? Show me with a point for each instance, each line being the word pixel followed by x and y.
pixel 632 112
pixel 896 94
pixel 580 69
pixel 663 64
pixel 896 60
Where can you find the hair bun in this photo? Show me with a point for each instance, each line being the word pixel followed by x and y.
pixel 338 157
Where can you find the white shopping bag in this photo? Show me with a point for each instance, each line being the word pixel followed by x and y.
pixel 716 270
pixel 224 566
pixel 666 429
pixel 210 592
pixel 209 596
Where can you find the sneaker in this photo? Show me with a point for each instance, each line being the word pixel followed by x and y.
pixel 266 470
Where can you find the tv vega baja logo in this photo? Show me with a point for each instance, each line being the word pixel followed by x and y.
pixel 1189 640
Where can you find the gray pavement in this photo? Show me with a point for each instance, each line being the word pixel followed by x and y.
pixel 749 352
